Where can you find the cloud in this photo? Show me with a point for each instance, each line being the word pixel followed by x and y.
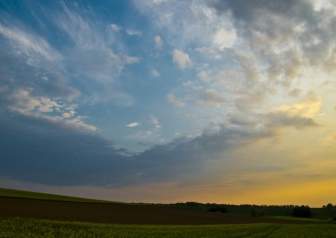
pixel 132 32
pixel 155 122
pixel 158 42
pixel 224 38
pixel 25 103
pixel 212 98
pixel 46 109
pixel 181 59
pixel 75 157
pixel 250 56
pixel 308 108
pixel 133 125
pixel 115 28
pixel 155 73
pixel 28 44
pixel 284 120
pixel 174 100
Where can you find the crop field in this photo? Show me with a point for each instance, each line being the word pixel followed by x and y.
pixel 30 215
pixel 29 228
pixel 14 203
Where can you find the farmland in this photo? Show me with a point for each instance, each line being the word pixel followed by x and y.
pixel 18 228
pixel 29 214
pixel 24 204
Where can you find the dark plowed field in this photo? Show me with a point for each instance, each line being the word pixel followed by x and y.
pixel 118 213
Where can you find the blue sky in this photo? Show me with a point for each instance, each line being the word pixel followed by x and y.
pixel 115 98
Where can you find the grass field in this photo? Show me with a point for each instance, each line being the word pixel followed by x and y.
pixel 29 228
pixel 43 196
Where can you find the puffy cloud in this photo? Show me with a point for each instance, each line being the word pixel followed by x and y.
pixel 212 98
pixel 24 103
pixel 308 108
pixel 46 109
pixel 181 59
pixel 175 101
pixel 133 125
pixel 224 38
pixel 190 22
pixel 115 28
pixel 158 42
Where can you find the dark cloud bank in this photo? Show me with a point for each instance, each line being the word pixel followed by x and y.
pixel 37 151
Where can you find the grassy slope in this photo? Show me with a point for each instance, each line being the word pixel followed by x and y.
pixel 47 229
pixel 43 196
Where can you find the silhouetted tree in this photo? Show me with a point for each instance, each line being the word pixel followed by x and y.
pixel 302 211
pixel 217 208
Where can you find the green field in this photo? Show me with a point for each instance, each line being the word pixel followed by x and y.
pixel 26 228
pixel 43 196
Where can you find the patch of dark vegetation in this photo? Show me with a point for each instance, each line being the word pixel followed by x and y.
pixel 302 211
pixel 217 208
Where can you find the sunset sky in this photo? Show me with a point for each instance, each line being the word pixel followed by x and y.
pixel 228 101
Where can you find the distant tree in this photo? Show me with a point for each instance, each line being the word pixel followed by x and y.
pixel 257 211
pixel 329 206
pixel 217 208
pixel 302 211
pixel 330 210
pixel 253 212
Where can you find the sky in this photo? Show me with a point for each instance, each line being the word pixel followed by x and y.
pixel 227 101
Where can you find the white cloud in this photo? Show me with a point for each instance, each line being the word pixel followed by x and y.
pixel 29 44
pixel 132 32
pixel 25 103
pixel 174 100
pixel 115 28
pixel 212 98
pixel 131 59
pixel 181 59
pixel 224 38
pixel 96 55
pixel 133 124
pixel 155 121
pixel 47 109
pixel 158 42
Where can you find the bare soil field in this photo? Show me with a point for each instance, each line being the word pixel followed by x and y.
pixel 120 213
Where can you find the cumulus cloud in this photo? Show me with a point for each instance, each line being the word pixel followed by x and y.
pixel 224 38
pixel 181 59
